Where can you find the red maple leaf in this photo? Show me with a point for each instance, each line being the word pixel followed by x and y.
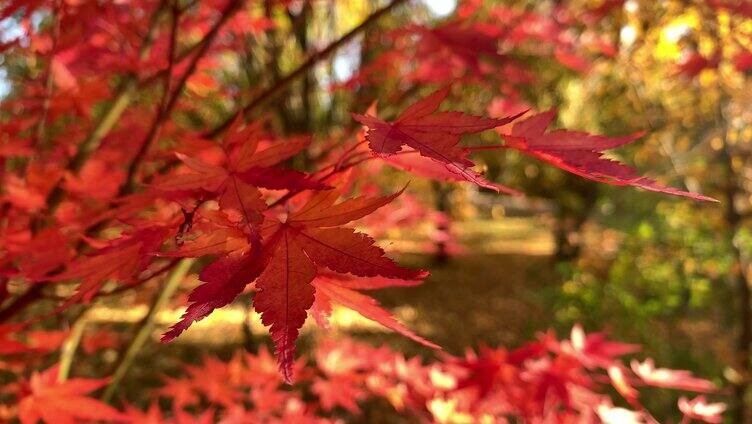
pixel 344 293
pixel 700 409
pixel 743 61
pixel 180 390
pixel 339 391
pixel 308 238
pixel 8 344
pixel 44 398
pixel 153 415
pixel 119 260
pixel 224 279
pixel 235 182
pixel 481 371
pixel 217 380
pixel 594 350
pixel 693 63
pixel 213 232
pixel 668 378
pixel 416 164
pixel 46 340
pixel 47 251
pixel 432 134
pixel 582 154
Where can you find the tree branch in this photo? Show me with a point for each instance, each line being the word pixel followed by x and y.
pixel 110 116
pixel 146 326
pixel 161 108
pixel 283 84
pixel 166 108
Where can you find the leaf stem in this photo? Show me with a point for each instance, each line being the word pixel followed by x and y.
pixel 145 327
pixel 68 351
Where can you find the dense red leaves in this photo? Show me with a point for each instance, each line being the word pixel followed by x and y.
pixel 542 381
pixel 743 61
pixel 235 182
pixel 47 251
pixel 481 371
pixel 542 375
pixel 40 342
pixel 740 7
pixel 29 193
pixel 593 349
pixel 547 380
pixel 44 398
pixel 582 154
pixel 8 345
pixel 217 200
pixel 432 134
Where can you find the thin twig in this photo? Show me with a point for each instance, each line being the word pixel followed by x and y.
pixel 68 351
pixel 125 287
pixel 145 327
pixel 165 109
pixel 161 108
pixel 284 83
pixel 41 130
pixel 110 116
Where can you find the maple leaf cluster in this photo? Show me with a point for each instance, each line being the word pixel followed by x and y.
pixel 548 380
pixel 285 254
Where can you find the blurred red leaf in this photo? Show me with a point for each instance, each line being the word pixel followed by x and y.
pixel 44 398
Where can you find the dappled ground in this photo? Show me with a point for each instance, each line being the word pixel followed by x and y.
pixel 484 294
pixel 476 298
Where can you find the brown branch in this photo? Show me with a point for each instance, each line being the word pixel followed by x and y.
pixel 141 281
pixel 739 278
pixel 161 109
pixel 168 103
pixel 41 130
pixel 283 84
pixel 21 302
pixel 124 97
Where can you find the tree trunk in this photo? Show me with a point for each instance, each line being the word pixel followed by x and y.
pixel 740 286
